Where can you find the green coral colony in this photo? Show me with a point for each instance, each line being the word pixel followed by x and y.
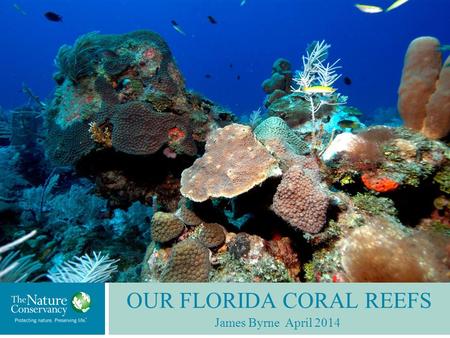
pixel 140 179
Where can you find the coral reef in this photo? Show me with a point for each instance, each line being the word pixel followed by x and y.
pixel 424 100
pixel 142 180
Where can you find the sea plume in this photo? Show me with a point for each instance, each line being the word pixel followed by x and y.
pixel 84 270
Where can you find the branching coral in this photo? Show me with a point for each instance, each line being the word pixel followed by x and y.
pixel 315 80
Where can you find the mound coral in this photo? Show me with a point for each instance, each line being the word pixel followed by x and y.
pixel 165 227
pixel 188 262
pixel 424 99
pixel 301 201
pixel 234 162
pixel 211 235
pixel 186 214
pixel 383 252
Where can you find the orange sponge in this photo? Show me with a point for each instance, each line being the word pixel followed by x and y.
pixel 379 184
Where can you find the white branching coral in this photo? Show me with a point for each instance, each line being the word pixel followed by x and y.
pixel 315 80
pixel 84 270
pixel 326 74
pixel 311 63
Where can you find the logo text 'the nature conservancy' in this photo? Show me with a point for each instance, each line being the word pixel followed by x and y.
pixel 35 304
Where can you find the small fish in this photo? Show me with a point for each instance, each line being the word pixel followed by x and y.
pixel 110 53
pixel 444 48
pixel 238 77
pixel 177 27
pixel 212 20
pixel 19 9
pixel 396 4
pixel 52 16
pixel 208 76
pixel 231 65
pixel 349 124
pixel 243 2
pixel 347 81
pixel 369 9
pixel 319 90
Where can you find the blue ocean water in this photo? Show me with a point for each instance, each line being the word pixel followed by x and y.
pixel 248 37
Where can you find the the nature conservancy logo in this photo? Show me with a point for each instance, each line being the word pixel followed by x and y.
pixel 35 304
pixel 81 302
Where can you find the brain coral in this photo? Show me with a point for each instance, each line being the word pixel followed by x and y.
pixel 234 162
pixel 189 262
pixel 300 200
pixel 211 235
pixel 165 227
pixel 275 128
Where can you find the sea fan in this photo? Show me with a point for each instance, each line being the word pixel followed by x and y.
pixel 84 270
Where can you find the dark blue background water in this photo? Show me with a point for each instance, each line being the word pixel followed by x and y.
pixel 250 37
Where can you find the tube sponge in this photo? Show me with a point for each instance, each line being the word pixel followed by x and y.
pixel 424 93
pixel 420 73
pixel 437 120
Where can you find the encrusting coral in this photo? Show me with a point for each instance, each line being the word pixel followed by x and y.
pixel 233 163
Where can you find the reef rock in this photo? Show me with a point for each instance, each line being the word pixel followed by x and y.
pixel 124 92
